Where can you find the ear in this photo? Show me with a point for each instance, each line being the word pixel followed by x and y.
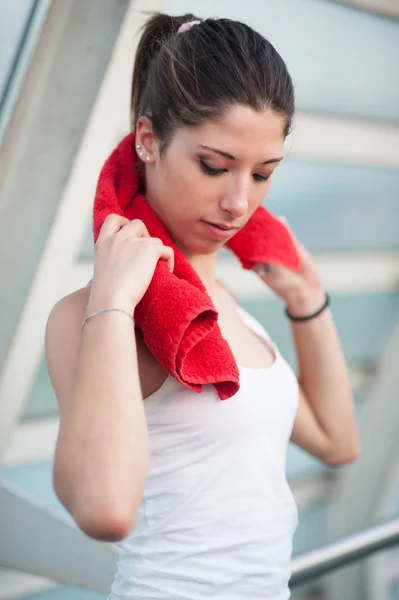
pixel 145 138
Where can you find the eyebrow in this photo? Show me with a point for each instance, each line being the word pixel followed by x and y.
pixel 231 157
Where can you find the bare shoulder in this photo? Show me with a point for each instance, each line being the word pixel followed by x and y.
pixel 63 340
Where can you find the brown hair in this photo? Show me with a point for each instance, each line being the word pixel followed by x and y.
pixel 186 78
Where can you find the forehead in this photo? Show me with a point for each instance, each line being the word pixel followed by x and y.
pixel 241 131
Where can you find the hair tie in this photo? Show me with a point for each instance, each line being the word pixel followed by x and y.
pixel 187 26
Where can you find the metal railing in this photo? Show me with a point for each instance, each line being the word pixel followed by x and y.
pixel 342 552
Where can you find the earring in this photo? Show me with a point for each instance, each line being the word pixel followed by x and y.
pixel 140 153
pixel 148 157
pixel 138 146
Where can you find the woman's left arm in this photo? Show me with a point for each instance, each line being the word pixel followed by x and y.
pixel 325 424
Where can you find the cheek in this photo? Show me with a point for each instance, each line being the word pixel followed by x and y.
pixel 179 177
pixel 189 190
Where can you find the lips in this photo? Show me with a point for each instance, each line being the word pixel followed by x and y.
pixel 218 232
pixel 222 226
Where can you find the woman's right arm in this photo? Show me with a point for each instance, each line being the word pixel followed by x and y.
pixel 102 452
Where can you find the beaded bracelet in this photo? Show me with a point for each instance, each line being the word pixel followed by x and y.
pixel 103 310
pixel 308 317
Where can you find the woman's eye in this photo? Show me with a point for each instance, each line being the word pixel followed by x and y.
pixel 210 170
pixel 258 177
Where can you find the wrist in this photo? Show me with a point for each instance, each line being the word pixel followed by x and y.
pixel 100 299
pixel 302 304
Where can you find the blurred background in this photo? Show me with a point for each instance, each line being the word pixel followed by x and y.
pixel 65 74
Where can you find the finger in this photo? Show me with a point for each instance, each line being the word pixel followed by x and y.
pixel 134 228
pixel 112 224
pixel 166 253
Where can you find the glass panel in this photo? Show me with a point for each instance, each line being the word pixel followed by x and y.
pixel 13 20
pixel 36 480
pixel 310 532
pixel 41 401
pixel 334 207
pixel 21 22
pixel 395 592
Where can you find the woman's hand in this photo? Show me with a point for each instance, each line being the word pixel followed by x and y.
pixel 124 263
pixel 302 291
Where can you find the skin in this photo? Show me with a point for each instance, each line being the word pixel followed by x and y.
pixel 182 194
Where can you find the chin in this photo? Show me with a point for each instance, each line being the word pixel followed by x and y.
pixel 192 247
pixel 193 244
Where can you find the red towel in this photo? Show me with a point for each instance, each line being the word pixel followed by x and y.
pixel 176 315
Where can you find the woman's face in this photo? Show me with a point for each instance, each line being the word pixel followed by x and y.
pixel 218 172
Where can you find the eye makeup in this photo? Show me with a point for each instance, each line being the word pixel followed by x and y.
pixel 208 170
pixel 212 172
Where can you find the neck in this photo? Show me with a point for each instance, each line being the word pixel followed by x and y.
pixel 205 266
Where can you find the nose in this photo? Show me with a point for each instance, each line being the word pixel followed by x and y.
pixel 235 202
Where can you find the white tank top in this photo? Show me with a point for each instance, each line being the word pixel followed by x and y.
pixel 218 516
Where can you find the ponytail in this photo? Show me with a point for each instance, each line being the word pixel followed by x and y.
pixel 155 33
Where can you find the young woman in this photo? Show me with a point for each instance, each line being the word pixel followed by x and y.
pixel 193 488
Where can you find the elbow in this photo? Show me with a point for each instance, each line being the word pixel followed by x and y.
pixel 100 522
pixel 110 527
pixel 340 458
pixel 105 524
